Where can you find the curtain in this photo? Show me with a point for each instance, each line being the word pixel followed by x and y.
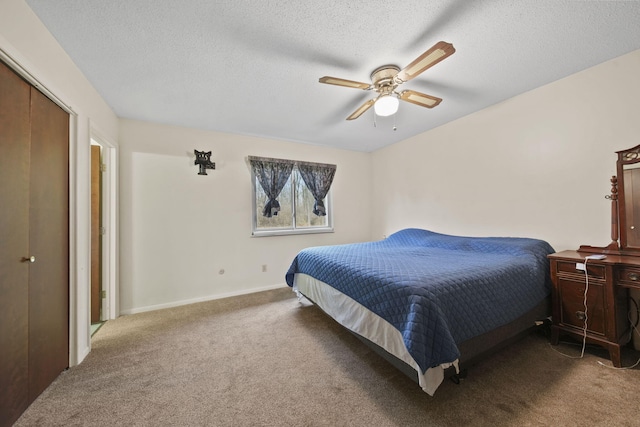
pixel 272 174
pixel 318 178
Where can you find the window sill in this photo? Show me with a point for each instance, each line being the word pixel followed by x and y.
pixel 287 232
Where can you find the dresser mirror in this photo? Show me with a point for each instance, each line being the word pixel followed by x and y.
pixel 625 207
pixel 628 169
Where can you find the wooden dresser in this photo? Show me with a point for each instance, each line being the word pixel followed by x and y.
pixel 609 281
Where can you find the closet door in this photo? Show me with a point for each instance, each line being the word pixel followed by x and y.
pixel 34 243
pixel 48 243
pixel 14 244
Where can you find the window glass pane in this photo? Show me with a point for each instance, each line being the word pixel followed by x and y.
pixel 284 219
pixel 304 206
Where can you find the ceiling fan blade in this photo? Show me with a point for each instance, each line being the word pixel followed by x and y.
pixel 437 53
pixel 420 99
pixel 343 82
pixel 361 109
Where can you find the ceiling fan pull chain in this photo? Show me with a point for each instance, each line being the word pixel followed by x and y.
pixel 374 118
pixel 394 122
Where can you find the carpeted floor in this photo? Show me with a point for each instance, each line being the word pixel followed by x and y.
pixel 268 360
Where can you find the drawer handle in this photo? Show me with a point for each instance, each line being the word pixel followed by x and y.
pixel 581 315
pixel 633 276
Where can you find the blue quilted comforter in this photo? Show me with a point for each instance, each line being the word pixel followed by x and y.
pixel 437 290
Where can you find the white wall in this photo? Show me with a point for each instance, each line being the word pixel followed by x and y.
pixel 179 229
pixel 27 42
pixel 537 165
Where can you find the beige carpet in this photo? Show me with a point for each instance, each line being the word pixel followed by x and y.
pixel 268 360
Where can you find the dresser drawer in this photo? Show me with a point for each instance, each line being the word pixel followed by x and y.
pixel 572 311
pixel 596 271
pixel 628 276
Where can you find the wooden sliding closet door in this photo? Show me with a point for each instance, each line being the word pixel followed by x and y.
pixel 49 243
pixel 14 244
pixel 34 243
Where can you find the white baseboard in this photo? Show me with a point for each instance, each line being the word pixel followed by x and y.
pixel 201 299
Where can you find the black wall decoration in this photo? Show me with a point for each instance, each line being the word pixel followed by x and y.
pixel 203 159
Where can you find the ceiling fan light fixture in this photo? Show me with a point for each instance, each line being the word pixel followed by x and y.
pixel 386 105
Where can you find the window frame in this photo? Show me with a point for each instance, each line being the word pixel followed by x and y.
pixel 293 230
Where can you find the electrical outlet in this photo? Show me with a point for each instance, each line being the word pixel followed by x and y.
pixel 580 266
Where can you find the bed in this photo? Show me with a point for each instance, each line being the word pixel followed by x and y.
pixel 429 302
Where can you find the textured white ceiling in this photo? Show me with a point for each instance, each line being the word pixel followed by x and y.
pixel 252 66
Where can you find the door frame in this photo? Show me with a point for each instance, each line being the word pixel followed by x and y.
pixel 110 308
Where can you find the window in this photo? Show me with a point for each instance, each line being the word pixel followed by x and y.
pixel 296 205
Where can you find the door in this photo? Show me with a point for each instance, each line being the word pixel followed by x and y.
pixel 34 243
pixel 96 226
pixel 48 243
pixel 14 238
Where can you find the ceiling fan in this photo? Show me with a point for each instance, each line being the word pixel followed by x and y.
pixel 386 79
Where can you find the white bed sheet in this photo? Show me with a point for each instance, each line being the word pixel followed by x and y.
pixel 357 318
